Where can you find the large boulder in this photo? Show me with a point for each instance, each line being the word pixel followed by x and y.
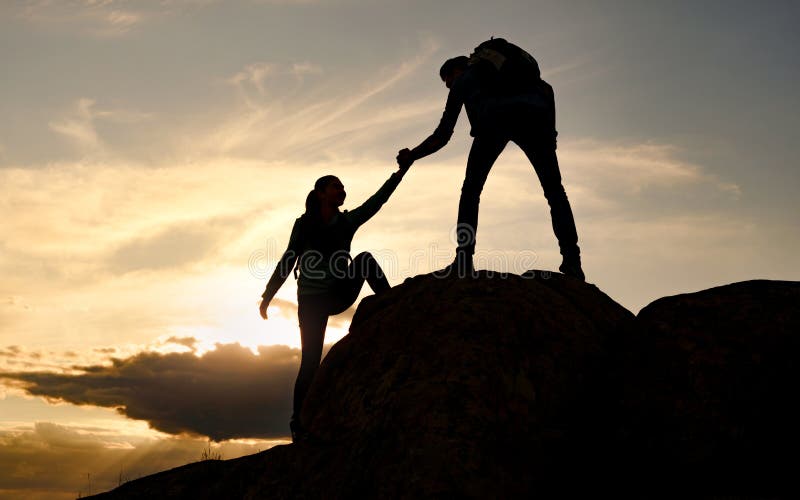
pixel 492 387
pixel 711 379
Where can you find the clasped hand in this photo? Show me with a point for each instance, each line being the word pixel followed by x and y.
pixel 404 158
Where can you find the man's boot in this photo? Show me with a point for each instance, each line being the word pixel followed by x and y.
pixel 571 266
pixel 462 266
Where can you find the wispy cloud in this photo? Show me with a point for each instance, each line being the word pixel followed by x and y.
pixel 253 74
pixel 80 124
pixel 281 122
pixel 301 70
pixel 178 245
pixel 634 167
pixel 115 18
pixel 95 17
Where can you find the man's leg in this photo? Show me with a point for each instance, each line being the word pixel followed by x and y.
pixel 482 155
pixel 543 158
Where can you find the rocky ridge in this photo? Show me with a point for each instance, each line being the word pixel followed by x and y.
pixel 535 385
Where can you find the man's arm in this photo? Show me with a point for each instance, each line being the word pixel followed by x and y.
pixel 440 136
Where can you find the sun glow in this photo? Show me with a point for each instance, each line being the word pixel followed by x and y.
pixel 248 329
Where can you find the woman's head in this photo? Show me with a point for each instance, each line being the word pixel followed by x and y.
pixel 328 190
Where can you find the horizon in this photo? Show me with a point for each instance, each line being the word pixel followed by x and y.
pixel 155 154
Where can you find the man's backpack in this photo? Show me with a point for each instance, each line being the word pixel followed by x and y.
pixel 505 69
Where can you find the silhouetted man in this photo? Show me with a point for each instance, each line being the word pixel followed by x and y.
pixel 514 106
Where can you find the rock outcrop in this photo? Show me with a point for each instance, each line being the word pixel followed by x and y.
pixel 487 387
pixel 711 381
pixel 534 385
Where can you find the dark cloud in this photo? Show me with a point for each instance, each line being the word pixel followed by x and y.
pixel 225 394
pixel 184 341
pixel 106 350
pixel 11 351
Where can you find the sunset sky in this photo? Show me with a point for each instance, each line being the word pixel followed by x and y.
pixel 155 153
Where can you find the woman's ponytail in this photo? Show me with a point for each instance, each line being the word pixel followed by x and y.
pixel 313 214
pixel 312 205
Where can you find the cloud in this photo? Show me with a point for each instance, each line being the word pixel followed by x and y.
pixel 14 352
pixel 227 393
pixel 281 122
pixel 253 74
pixel 176 246
pixel 634 167
pixel 9 353
pixel 300 70
pixel 111 18
pixel 184 341
pixel 56 461
pixel 610 181
pixel 79 127
pixel 93 17
pixel 99 218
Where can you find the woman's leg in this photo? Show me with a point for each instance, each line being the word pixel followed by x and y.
pixel 364 264
pixel 312 311
pixel 346 290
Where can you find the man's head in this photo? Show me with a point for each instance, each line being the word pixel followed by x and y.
pixel 452 69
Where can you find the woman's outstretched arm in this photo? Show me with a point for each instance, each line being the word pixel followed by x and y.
pixel 370 207
pixel 283 269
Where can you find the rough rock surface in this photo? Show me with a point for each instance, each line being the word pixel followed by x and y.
pixel 535 386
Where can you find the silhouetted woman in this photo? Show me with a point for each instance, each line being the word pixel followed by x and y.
pixel 330 280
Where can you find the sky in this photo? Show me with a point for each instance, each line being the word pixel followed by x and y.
pixel 154 155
